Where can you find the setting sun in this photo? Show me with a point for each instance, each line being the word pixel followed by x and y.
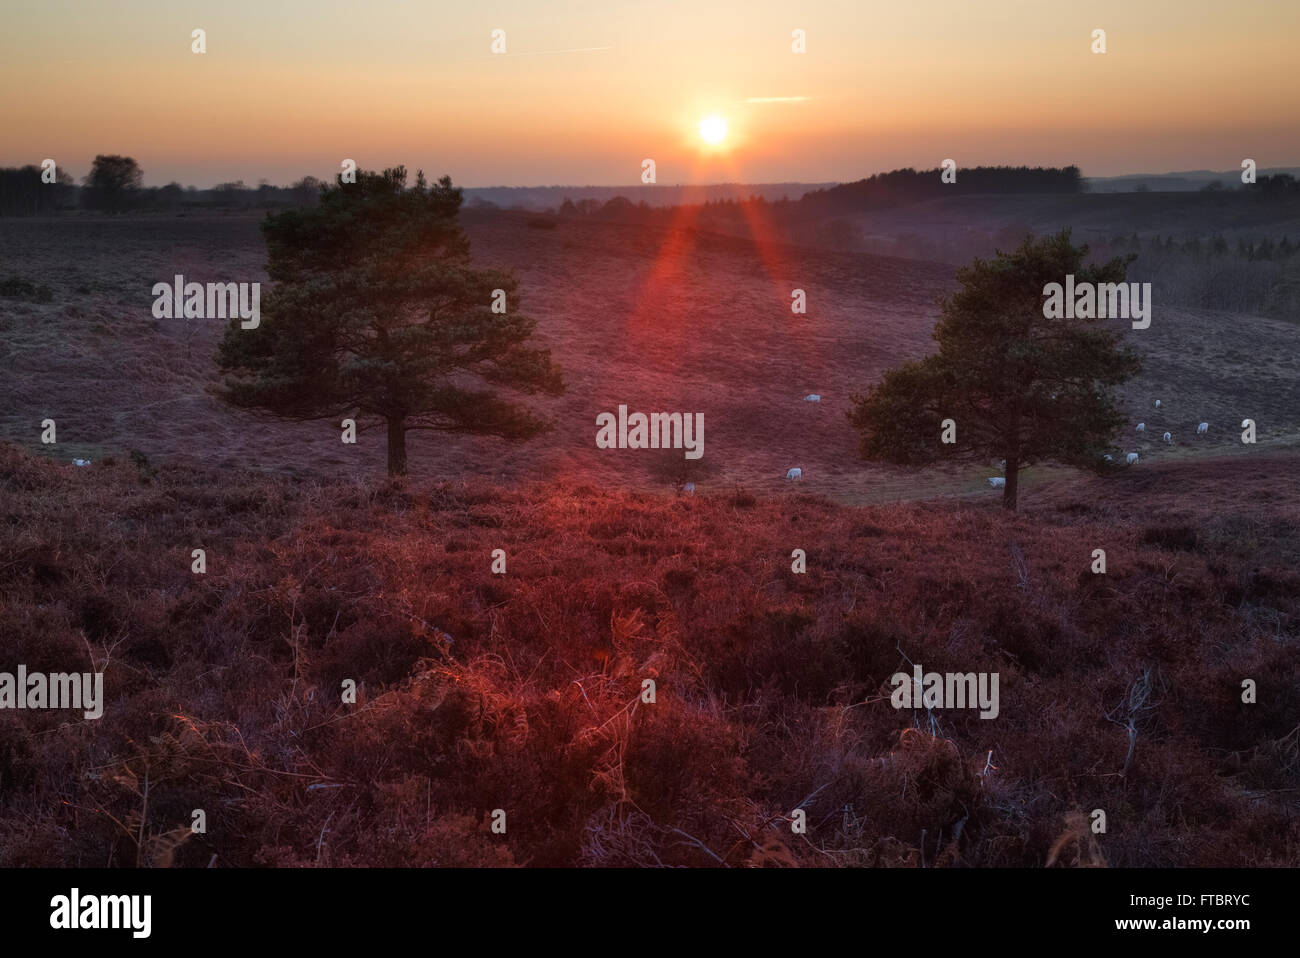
pixel 713 129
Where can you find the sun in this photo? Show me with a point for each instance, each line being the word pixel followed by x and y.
pixel 713 129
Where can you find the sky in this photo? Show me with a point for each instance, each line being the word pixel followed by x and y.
pixel 588 89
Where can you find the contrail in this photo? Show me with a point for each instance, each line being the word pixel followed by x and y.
pixel 537 53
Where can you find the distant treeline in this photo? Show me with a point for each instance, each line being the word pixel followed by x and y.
pixel 1278 184
pixel 831 217
pixel 1250 249
pixel 906 186
pixel 541 198
pixel 815 218
pixel 882 189
pixel 114 185
pixel 1260 276
pixel 22 192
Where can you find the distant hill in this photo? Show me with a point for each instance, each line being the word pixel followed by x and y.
pixel 22 194
pixel 1183 182
pixel 883 190
pixel 550 197
pixel 880 189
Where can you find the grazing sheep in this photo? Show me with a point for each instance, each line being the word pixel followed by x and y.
pixel 1167 438
pixel 1142 427
pixel 997 482
pixel 81 462
pixel 689 488
pixel 812 397
pixel 1202 429
pixel 795 473
pixel 1107 458
pixel 1157 403
pixel 1131 458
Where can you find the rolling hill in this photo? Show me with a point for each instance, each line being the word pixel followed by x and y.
pixel 659 319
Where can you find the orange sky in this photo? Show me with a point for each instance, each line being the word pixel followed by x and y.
pixel 587 90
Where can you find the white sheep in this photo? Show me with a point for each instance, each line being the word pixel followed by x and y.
pixel 1107 458
pixel 1167 437
pixel 997 482
pixel 689 488
pixel 795 473
pixel 812 397
pixel 1202 429
pixel 1142 427
pixel 1157 403
pixel 81 462
pixel 1131 458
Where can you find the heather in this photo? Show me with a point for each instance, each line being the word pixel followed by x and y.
pixel 524 691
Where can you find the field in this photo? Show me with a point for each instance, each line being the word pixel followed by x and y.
pixel 659 319
pixel 524 692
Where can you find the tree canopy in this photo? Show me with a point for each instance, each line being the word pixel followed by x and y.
pixel 376 314
pixel 1016 385
pixel 112 182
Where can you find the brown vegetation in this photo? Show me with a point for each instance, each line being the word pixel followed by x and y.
pixel 523 691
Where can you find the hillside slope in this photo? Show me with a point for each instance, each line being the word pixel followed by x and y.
pixel 657 319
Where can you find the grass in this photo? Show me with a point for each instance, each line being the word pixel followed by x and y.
pixel 663 320
pixel 17 288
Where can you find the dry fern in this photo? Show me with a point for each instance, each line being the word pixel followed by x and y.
pixel 1077 832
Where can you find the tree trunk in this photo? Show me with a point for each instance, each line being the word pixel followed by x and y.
pixel 396 446
pixel 1009 492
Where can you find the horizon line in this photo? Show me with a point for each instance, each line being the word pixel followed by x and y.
pixel 725 183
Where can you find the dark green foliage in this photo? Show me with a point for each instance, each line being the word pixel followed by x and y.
pixel 24 192
pixel 112 183
pixel 377 315
pixel 1019 386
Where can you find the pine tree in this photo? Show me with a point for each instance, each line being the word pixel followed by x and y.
pixel 1017 385
pixel 377 315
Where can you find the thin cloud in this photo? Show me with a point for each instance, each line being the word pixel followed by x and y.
pixel 537 53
